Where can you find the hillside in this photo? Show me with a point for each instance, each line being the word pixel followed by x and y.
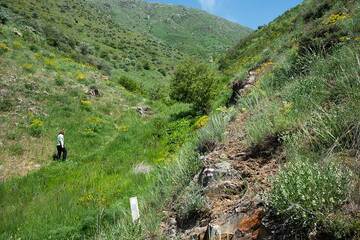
pixel 288 164
pixel 89 35
pixel 263 144
pixel 191 31
pixel 69 65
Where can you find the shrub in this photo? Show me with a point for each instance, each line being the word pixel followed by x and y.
pixel 316 12
pixel 305 190
pixel 162 71
pixel 95 123
pixel 36 127
pixel 17 45
pixel 80 76
pixel 129 84
pixel 4 15
pixel 57 39
pixel 6 104
pixel 86 104
pixel 28 67
pixel 336 17
pixel 194 83
pixel 59 81
pixel 147 66
pixel 201 122
pixel 177 132
pixel 157 92
pixel 50 62
pixel 321 39
pixel 3 48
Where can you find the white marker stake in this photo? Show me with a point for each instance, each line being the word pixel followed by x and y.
pixel 134 209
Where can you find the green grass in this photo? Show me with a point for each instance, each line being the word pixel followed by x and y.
pixel 105 138
pixel 191 31
pixel 309 99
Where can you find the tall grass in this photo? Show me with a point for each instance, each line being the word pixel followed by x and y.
pixel 316 113
pixel 170 180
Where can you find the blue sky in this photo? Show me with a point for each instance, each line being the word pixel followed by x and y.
pixel 250 13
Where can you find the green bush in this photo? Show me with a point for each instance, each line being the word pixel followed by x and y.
pixel 157 92
pixel 93 126
pixel 86 104
pixel 177 133
pixel 3 48
pixel 36 127
pixel 321 39
pixel 316 12
pixel 59 81
pixel 194 83
pixel 129 84
pixel 4 15
pixel 6 104
pixel 305 190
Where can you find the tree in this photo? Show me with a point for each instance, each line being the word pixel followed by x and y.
pixel 194 82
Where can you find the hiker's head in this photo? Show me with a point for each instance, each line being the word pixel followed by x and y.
pixel 62 132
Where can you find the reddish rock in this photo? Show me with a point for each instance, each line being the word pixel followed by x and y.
pixel 251 222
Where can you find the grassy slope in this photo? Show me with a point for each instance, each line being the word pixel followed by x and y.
pixel 104 137
pixel 189 30
pixel 52 53
pixel 309 100
pixel 88 34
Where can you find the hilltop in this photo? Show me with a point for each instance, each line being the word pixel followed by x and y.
pixel 191 31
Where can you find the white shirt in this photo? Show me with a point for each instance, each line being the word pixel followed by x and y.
pixel 60 140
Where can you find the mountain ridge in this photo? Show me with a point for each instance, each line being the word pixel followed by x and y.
pixel 178 25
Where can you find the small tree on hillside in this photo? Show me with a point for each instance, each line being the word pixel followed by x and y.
pixel 194 83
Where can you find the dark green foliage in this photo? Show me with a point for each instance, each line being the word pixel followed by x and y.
pixel 317 12
pixel 6 104
pixel 320 40
pixel 57 39
pixel 129 84
pixel 194 83
pixel 158 92
pixel 4 15
pixel 176 133
pixel 59 81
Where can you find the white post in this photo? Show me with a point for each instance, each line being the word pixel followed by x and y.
pixel 135 213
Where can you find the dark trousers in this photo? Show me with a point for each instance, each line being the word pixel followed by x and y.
pixel 61 150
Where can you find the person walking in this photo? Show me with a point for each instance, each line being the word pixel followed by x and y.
pixel 60 146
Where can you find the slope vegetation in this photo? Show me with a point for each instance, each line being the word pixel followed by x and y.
pixel 68 64
pixel 309 102
pixel 189 30
pixel 296 84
